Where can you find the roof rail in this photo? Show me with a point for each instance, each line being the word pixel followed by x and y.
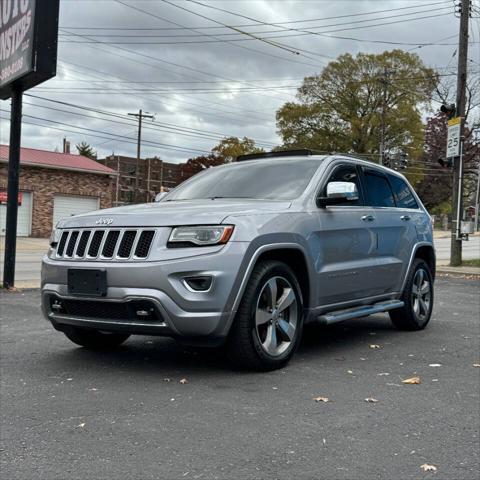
pixel 281 153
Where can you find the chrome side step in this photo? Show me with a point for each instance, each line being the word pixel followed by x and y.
pixel 363 311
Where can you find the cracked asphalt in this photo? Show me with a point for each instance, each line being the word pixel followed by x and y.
pixel 67 413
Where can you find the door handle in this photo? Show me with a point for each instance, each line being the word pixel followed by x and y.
pixel 405 218
pixel 368 218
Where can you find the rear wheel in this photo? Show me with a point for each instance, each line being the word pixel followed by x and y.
pixel 417 297
pixel 95 340
pixel 268 325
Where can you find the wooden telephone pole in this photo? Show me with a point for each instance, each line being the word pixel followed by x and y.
pixel 457 207
pixel 140 115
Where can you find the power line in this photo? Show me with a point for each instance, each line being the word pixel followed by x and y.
pixel 262 35
pixel 150 57
pixel 259 115
pixel 216 38
pixel 159 126
pixel 114 135
pixel 98 74
pixel 126 28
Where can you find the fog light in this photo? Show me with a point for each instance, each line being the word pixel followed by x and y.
pixel 57 306
pixel 198 284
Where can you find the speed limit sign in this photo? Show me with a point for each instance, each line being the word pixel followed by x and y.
pixel 453 137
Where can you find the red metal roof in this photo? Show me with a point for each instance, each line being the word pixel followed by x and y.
pixel 67 161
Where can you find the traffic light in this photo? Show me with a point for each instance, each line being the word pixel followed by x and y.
pixel 445 163
pixel 449 110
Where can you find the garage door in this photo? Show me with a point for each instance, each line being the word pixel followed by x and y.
pixel 24 222
pixel 66 206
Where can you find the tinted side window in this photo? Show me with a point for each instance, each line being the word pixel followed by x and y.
pixel 345 173
pixel 379 192
pixel 405 198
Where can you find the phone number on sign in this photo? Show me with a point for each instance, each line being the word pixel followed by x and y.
pixel 11 70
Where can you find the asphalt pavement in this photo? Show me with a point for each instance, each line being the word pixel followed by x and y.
pixel 67 413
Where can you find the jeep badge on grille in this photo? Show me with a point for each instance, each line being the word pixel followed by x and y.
pixel 104 221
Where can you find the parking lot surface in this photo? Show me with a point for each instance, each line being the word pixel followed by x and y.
pixel 67 413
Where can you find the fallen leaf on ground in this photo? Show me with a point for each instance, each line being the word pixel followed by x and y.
pixel 428 468
pixel 371 400
pixel 81 425
pixel 374 346
pixel 412 381
pixel 435 365
pixel 183 381
pixel 321 399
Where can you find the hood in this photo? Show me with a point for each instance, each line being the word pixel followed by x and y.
pixel 163 214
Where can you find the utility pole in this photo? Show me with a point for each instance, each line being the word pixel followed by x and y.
pixel 457 207
pixel 140 115
pixel 384 82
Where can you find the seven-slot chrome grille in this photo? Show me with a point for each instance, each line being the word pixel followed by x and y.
pixel 105 244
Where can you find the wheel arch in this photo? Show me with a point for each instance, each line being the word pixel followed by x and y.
pixel 295 259
pixel 427 254
pixel 424 251
pixel 292 254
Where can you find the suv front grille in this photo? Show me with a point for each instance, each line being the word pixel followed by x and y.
pixel 105 244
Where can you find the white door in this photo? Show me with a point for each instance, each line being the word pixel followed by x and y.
pixel 24 219
pixel 66 206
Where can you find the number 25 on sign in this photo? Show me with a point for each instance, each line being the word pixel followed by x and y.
pixel 453 137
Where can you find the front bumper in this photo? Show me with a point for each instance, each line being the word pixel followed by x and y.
pixel 176 310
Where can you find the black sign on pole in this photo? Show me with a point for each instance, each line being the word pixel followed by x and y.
pixel 28 56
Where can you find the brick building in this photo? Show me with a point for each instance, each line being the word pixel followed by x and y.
pixel 52 186
pixel 154 176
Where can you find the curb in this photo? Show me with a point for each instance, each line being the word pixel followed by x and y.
pixel 466 272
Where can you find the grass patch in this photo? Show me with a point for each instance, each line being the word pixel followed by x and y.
pixel 471 263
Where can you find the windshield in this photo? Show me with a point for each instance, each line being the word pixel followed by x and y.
pixel 265 179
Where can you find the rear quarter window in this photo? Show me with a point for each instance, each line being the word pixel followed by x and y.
pixel 403 194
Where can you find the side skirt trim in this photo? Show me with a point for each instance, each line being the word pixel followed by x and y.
pixel 356 312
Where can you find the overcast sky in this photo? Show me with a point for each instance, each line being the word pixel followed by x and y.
pixel 207 80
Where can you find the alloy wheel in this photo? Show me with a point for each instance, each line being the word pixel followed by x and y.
pixel 421 294
pixel 276 316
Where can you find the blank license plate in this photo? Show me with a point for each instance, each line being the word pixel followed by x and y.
pixel 92 283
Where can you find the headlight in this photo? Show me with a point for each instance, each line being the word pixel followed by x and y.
pixel 55 237
pixel 200 236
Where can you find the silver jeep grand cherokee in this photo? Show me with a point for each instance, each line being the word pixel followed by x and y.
pixel 243 255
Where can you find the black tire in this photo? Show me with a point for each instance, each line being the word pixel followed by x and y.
pixel 245 347
pixel 95 340
pixel 414 316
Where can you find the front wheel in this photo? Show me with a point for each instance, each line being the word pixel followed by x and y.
pixel 95 340
pixel 417 297
pixel 268 325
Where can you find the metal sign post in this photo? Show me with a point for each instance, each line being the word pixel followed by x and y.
pixel 458 231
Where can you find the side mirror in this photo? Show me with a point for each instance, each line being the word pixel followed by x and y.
pixel 159 196
pixel 339 193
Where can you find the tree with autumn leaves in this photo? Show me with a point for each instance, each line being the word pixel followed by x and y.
pixel 342 108
pixel 225 152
